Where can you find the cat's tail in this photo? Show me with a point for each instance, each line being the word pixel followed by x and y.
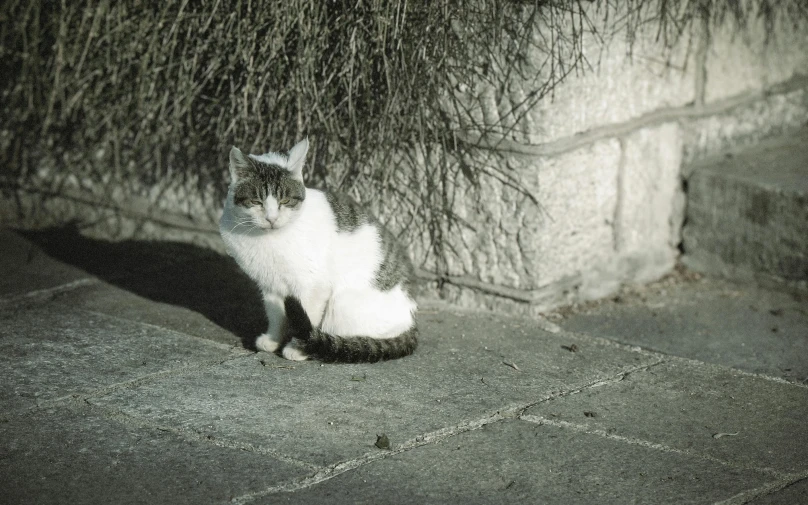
pixel 334 349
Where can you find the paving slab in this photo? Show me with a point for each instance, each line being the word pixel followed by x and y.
pixel 747 209
pixel 69 455
pixel 743 326
pixel 48 351
pixel 209 320
pixel 464 370
pixel 25 268
pixel 521 462
pixel 196 291
pixel 688 406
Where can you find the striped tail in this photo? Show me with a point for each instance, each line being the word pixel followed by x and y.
pixel 334 349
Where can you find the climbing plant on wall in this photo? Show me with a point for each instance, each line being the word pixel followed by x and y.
pixel 149 91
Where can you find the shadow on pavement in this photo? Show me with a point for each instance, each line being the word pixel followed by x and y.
pixel 174 273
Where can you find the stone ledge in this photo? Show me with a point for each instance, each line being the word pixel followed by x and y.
pixel 748 209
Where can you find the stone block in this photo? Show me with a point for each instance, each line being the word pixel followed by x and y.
pixel 754 57
pixel 650 210
pixel 749 209
pixel 578 194
pixel 608 213
pixel 511 241
pixel 117 210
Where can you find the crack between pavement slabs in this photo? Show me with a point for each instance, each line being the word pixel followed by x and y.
pixel 511 412
pixel 42 295
pixel 582 428
pixel 39 295
pixel 130 384
pixel 205 341
pixel 156 376
pixel 672 357
pixel 783 481
pixel 85 400
pixel 754 375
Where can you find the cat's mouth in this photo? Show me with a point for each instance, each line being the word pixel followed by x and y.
pixel 267 225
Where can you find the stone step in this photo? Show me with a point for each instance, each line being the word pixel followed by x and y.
pixel 747 213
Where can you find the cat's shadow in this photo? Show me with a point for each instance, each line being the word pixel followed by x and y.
pixel 174 273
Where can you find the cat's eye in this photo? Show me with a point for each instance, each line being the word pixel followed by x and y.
pixel 256 203
pixel 284 201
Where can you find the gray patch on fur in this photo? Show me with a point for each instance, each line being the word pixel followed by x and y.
pixel 349 214
pixel 395 267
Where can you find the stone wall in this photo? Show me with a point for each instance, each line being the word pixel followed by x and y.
pixel 604 156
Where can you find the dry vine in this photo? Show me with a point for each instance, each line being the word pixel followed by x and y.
pixel 148 90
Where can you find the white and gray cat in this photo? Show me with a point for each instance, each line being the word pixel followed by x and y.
pixel 336 285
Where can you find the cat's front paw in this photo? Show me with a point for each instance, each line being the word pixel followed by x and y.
pixel 266 343
pixel 293 352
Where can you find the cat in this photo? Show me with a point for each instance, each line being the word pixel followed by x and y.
pixel 336 285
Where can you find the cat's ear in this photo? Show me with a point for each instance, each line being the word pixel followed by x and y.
pixel 239 165
pixel 297 155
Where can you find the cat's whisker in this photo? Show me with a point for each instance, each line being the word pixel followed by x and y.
pixel 244 222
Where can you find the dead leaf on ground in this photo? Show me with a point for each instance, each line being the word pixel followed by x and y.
pixel 269 365
pixel 719 435
pixel 512 365
pixel 382 442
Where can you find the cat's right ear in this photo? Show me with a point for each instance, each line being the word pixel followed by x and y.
pixel 238 164
pixel 297 155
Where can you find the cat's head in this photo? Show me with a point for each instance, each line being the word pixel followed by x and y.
pixel 268 189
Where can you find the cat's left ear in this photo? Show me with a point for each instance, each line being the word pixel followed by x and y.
pixel 297 155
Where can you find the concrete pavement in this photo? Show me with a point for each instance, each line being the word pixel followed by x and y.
pixel 126 380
